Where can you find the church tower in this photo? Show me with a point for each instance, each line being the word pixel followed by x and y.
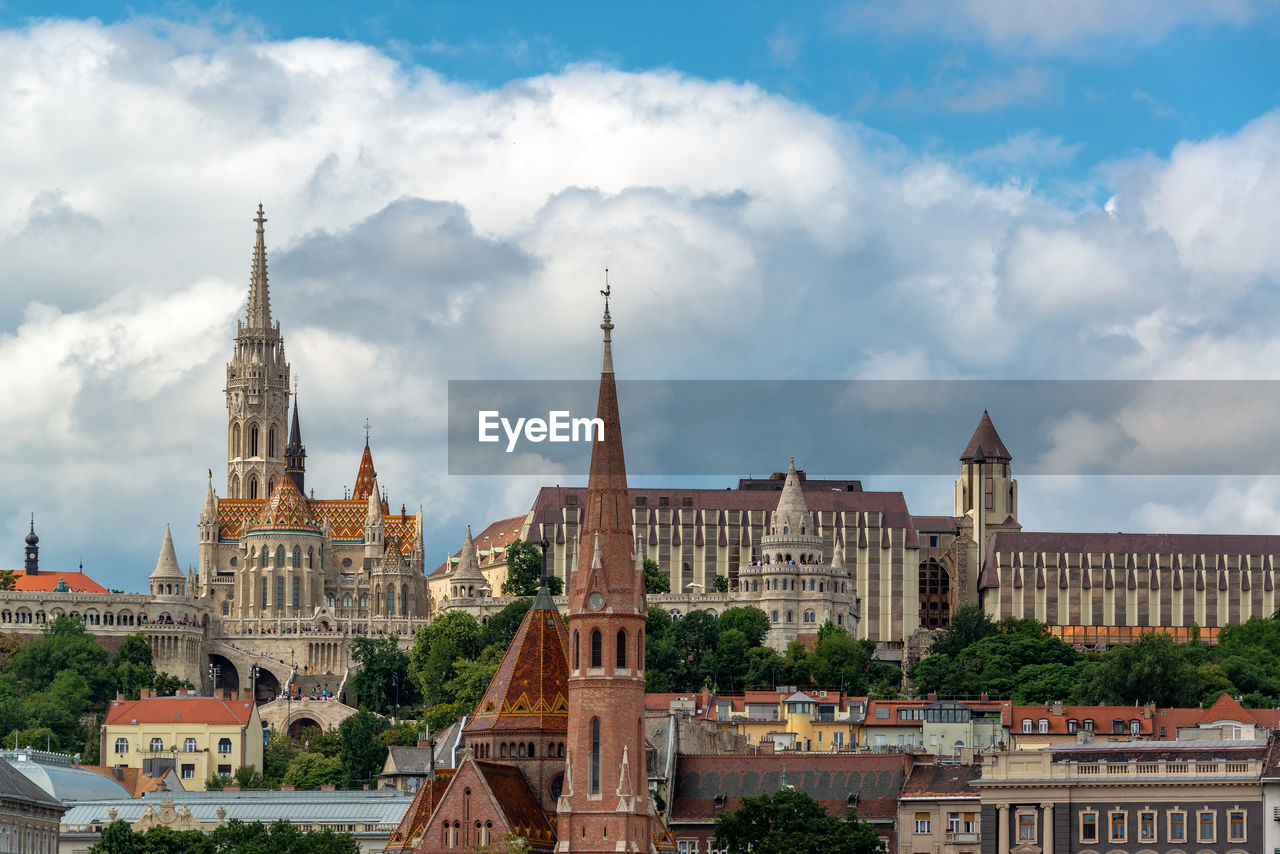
pixel 605 803
pixel 986 491
pixel 257 390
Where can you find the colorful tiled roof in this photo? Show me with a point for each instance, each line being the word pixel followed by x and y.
pixel 286 509
pixel 529 691
pixel 165 710
pixel 345 518
pixel 366 476
pixel 46 582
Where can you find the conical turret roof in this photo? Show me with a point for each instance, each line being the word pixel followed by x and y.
pixel 286 509
pixel 209 513
pixel 167 565
pixel 530 689
pixel 792 513
pixel 259 314
pixel 985 444
pixel 468 569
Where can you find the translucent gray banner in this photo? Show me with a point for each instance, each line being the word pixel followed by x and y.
pixel 714 427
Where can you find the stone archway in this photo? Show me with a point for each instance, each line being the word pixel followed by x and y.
pixel 227 676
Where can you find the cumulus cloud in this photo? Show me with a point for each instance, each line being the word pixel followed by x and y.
pixel 422 230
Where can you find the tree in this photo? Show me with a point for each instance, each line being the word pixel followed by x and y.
pixel 524 571
pixel 313 770
pixel 472 676
pixel 383 668
pixel 969 624
pixel 64 645
pixel 362 754
pixel 655 580
pixel 791 822
pixel 751 621
pixel 8 579
pixel 501 628
pixel 437 650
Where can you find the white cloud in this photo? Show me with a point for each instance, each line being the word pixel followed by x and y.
pixel 421 230
pixel 1050 25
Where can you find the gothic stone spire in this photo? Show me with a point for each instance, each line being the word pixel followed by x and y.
pixel 259 315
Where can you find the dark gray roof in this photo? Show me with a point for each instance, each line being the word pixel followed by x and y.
pixel 58 776
pixel 15 786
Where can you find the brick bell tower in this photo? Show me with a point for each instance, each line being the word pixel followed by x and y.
pixel 605 804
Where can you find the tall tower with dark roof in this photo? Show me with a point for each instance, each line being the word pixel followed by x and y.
pixel 295 453
pixel 257 389
pixel 605 803
pixel 986 491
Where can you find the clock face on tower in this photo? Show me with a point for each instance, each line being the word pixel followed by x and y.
pixel 595 601
pixel 31 555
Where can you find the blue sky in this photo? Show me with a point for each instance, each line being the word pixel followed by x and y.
pixel 985 189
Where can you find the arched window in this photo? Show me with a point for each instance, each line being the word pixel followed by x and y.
pixel 522 751
pixel 557 786
pixel 297 557
pixel 235 442
pixel 774 616
pixel 404 601
pixel 560 750
pixel 622 648
pixel 157 744
pixel 364 601
pixel 391 601
pixel 253 486
pixel 224 745
pixel 280 591
pixel 788 616
pixel 271 486
pixel 596 651
pixel 297 593
pixel 271 441
pixel 502 751
pixel 346 601
pixel 226 608
pixel 253 441
pixel 264 602
pixel 233 489
pixel 280 556
pixel 122 745
pixel 189 746
pixel 595 756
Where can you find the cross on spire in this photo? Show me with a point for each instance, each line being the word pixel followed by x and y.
pixel 607 292
pixel 366 431
pixel 607 326
pixel 259 314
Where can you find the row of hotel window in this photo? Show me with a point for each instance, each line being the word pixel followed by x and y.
pixel 1118 726
pixel 1113 826
pixel 188 746
pixel 956 822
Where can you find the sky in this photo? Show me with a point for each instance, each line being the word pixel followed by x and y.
pixel 985 189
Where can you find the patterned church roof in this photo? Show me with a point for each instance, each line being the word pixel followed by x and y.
pixel 365 476
pixel 345 518
pixel 405 836
pixel 286 509
pixel 529 690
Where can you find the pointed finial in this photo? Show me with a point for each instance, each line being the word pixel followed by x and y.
pixel 33 522
pixel 366 432
pixel 607 326
pixel 296 377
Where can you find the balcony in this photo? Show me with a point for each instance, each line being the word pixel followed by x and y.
pixel 964 837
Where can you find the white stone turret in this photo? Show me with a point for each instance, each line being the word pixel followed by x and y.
pixel 468 581
pixel 167 578
pixel 375 529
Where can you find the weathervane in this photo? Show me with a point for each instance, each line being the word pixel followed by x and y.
pixel 607 290
pixel 366 429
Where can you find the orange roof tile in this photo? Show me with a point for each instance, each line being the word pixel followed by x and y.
pixel 491 543
pixel 155 710
pixel 46 581
pixel 1102 716
pixel 365 475
pixel 286 510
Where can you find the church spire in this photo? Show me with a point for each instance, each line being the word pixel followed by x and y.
pixel 295 453
pixel 259 315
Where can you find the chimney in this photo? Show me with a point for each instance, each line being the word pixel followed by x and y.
pixel 1058 710
pixel 932 698
pixel 119 696
pixel 984 698
pixel 230 788
pixel 118 772
pixel 144 693
pixel 286 788
pixel 364 788
pixel 328 787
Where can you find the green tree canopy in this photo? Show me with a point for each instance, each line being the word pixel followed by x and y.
pixel 791 822
pixel 524 571
pixel 655 580
pixel 362 754
pixel 382 667
pixel 437 648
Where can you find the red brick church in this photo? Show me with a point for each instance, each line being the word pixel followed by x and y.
pixel 555 752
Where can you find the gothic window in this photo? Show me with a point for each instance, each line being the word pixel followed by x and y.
pixel 297 557
pixel 280 592
pixel 280 556
pixel 557 786
pixel 596 652
pixel 297 593
pixel 234 489
pixel 404 601
pixel 253 487
pixel 774 616
pixel 346 601
pixel 235 442
pixel 560 750
pixel 935 595
pixel 264 593
pixel 271 486
pixel 595 756
pixel 820 590
pixel 311 558
pixel 271 441
pixel 622 648
pixel 364 601
pixel 253 441
pixel 788 616
pixel 226 608
pixel 576 651
pixel 391 601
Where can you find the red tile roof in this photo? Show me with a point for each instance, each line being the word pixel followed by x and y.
pixel 1102 716
pixel 155 710
pixel 518 803
pixel 985 443
pixel 491 543
pixel 46 581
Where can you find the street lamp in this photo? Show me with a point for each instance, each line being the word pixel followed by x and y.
pixel 395 680
pixel 253 676
pixel 215 671
pixel 542 575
